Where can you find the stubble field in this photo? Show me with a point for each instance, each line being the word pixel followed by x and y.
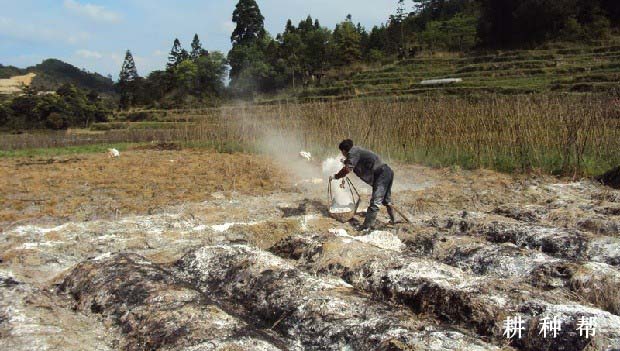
pixel 198 250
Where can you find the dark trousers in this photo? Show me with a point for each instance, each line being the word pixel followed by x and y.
pixel 381 188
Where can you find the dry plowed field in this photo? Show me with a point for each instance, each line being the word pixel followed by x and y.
pixel 193 250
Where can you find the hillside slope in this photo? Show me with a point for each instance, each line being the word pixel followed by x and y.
pixel 10 71
pixel 588 69
pixel 52 73
pixel 14 84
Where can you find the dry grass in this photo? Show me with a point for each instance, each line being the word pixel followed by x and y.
pixel 265 235
pixel 568 135
pixel 91 186
pixel 602 293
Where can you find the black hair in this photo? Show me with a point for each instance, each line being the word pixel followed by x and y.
pixel 346 145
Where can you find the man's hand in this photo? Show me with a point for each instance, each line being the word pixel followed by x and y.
pixel 343 173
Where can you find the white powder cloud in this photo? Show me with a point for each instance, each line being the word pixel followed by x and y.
pixel 95 12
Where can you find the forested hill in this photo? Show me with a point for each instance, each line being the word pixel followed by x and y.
pixel 53 73
pixel 10 71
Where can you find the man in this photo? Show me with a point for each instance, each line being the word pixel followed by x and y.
pixel 368 167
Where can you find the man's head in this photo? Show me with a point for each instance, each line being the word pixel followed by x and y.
pixel 345 146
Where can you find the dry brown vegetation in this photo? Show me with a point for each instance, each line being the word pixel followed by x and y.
pixel 603 293
pixel 92 186
pixel 457 265
pixel 570 135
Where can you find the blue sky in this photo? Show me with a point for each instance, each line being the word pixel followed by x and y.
pixel 94 34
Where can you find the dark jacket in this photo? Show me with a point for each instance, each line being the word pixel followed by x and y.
pixel 363 163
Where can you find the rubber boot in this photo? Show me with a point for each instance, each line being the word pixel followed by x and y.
pixel 369 221
pixel 390 211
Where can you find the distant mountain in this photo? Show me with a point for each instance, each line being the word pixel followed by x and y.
pixel 52 73
pixel 10 71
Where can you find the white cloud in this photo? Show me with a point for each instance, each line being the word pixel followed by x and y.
pixel 79 37
pixel 33 32
pixel 95 12
pixel 89 54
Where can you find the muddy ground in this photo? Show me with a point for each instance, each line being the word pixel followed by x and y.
pixel 191 250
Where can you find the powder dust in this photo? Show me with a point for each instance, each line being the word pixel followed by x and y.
pixel 342 198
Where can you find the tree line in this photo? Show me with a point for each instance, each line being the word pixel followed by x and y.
pixel 257 63
pixel 303 53
pixel 190 76
pixel 67 107
pixel 465 24
pixel 514 23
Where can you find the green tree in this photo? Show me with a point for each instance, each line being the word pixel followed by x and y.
pixel 496 26
pixel 249 23
pixel 70 106
pixel 290 28
pixel 177 55
pixel 455 34
pixel 129 82
pixel 157 85
pixel 186 74
pixel 298 54
pixel 56 112
pixel 74 111
pixel 379 40
pixel 599 27
pixel 129 72
pixel 306 26
pixel 253 72
pixel 249 68
pixel 211 73
pixel 594 20
pixel 292 52
pixel 438 10
pixel 197 50
pixel 23 108
pixel 317 49
pixel 400 18
pixel 347 41
pixel 526 22
pixel 5 114
pixel 280 72
pixel 612 11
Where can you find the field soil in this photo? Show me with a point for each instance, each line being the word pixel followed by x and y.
pixel 195 250
pixel 88 187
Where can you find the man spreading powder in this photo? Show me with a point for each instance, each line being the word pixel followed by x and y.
pixel 368 167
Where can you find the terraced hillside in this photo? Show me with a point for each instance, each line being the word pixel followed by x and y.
pixel 270 270
pixel 592 69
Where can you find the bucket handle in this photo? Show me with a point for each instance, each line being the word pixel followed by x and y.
pixel 359 199
pixel 352 189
